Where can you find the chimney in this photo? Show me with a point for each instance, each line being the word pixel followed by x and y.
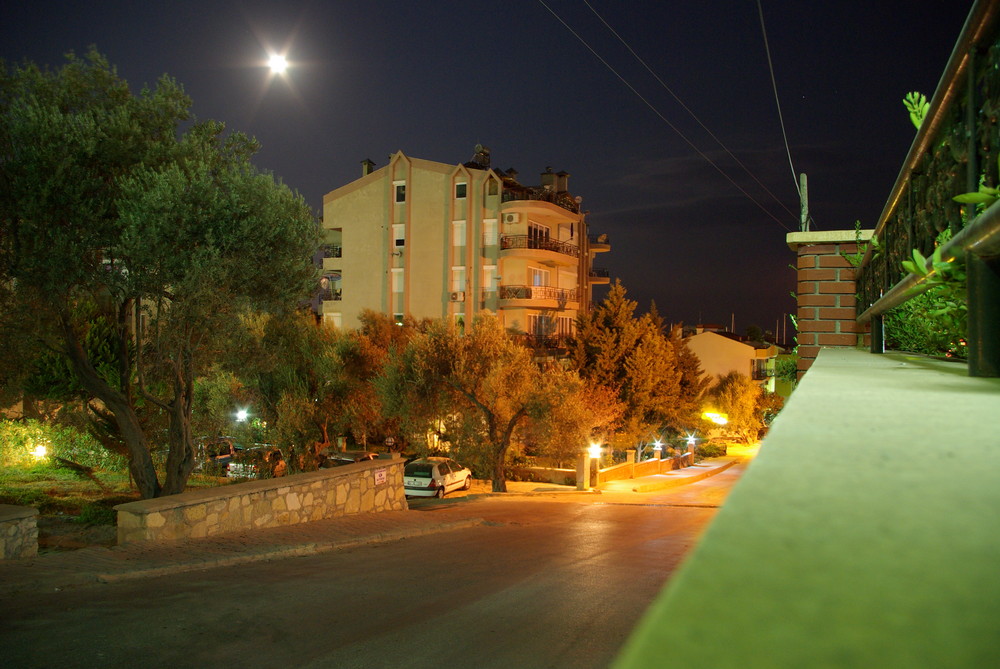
pixel 367 167
pixel 548 179
pixel 562 182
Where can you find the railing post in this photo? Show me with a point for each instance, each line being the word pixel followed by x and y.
pixel 983 293
pixel 877 335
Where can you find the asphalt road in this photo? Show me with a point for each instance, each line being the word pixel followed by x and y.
pixel 545 582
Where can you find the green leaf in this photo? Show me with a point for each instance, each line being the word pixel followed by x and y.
pixel 975 198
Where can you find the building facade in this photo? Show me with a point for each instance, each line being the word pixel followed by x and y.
pixel 432 240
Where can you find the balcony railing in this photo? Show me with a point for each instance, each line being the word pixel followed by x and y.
pixel 599 239
pixel 331 250
pixel 539 341
pixel 329 295
pixel 600 273
pixel 538 293
pixel 528 242
pixel 956 146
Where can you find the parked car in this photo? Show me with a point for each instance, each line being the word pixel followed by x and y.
pixel 215 455
pixel 328 458
pixel 249 464
pixel 435 477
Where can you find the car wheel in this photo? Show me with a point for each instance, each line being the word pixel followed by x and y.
pixel 468 483
pixel 440 493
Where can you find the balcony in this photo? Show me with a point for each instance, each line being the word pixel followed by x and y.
pixel 599 275
pixel 538 342
pixel 864 534
pixel 599 243
pixel 331 257
pixel 542 250
pixel 538 296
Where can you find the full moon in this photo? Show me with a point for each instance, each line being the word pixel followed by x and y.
pixel 277 63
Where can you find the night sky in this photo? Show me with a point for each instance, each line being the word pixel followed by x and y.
pixel 435 77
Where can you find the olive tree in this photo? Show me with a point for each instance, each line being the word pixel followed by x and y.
pixel 170 234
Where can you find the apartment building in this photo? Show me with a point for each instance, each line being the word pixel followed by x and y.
pixel 429 239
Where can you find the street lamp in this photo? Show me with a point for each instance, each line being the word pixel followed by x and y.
pixel 241 415
pixel 658 447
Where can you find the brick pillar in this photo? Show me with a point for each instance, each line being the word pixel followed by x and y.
pixel 826 292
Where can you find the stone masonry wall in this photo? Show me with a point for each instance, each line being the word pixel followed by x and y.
pixel 364 487
pixel 18 532
pixel 826 292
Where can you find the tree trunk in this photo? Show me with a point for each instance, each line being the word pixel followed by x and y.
pixel 181 457
pixel 120 406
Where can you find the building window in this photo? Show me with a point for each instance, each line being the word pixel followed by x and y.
pixel 539 277
pixel 537 235
pixel 461 190
pixel 397 279
pixel 490 278
pixel 457 278
pixel 400 192
pixel 492 188
pixel 399 234
pixel 458 233
pixel 489 232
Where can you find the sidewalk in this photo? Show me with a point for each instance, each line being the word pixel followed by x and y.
pixel 57 571
pixel 677 477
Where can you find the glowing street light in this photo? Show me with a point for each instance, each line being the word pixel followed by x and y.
pixel 595 451
pixel 40 451
pixel 715 417
pixel 241 415
pixel 278 63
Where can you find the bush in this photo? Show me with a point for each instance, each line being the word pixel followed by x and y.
pixel 20 439
pixel 710 450
pixel 97 514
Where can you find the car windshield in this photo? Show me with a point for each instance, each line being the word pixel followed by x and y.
pixel 421 470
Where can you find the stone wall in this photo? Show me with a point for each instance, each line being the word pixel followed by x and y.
pixel 18 532
pixel 364 487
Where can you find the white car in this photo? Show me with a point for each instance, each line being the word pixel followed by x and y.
pixel 435 477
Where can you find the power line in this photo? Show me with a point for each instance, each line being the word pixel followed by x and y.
pixel 688 110
pixel 777 102
pixel 663 118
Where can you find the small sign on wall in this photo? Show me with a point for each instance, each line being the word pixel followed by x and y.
pixel 381 476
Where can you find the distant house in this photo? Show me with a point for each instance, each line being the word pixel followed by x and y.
pixel 720 354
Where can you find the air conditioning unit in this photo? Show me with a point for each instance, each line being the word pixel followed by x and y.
pixel 511 218
pixel 458 296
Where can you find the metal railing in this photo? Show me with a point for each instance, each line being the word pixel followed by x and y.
pixel 957 146
pixel 538 293
pixel 539 341
pixel 599 239
pixel 331 251
pixel 600 272
pixel 529 242
pixel 329 295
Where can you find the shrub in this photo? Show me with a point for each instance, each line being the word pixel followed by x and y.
pixel 20 439
pixel 97 514
pixel 710 450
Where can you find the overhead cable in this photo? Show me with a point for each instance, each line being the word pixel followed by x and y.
pixel 688 110
pixel 663 118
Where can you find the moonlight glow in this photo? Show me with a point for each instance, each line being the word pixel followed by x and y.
pixel 277 63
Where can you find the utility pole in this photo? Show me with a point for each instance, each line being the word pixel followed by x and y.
pixel 804 203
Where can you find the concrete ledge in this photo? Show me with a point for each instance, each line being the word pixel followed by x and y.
pixel 864 535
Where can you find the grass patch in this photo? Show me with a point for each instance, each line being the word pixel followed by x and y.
pixel 54 490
